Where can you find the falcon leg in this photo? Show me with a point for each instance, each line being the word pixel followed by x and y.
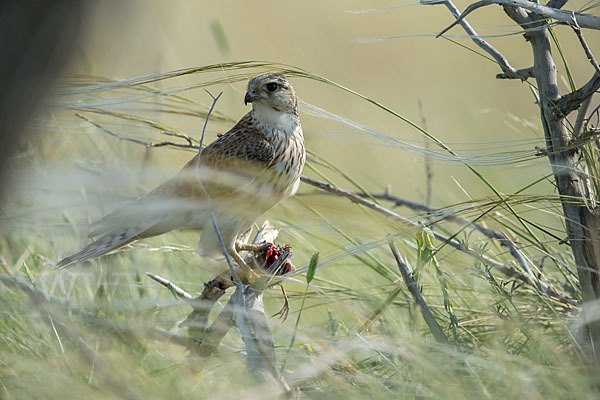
pixel 247 273
pixel 250 247
pixel 285 310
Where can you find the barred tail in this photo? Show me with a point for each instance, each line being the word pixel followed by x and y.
pixel 104 245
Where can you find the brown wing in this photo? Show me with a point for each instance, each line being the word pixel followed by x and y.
pixel 242 145
pixel 243 152
pixel 235 159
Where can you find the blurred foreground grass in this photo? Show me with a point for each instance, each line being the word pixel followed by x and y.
pixel 507 339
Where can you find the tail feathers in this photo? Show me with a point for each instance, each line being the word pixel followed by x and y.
pixel 103 245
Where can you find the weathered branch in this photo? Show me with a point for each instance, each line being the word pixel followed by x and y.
pixel 249 316
pixel 571 101
pixel 527 277
pixel 434 212
pixel 584 20
pixel 182 294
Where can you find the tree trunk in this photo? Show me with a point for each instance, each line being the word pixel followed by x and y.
pixel 582 222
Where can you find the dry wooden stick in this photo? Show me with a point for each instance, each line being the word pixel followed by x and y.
pixel 507 269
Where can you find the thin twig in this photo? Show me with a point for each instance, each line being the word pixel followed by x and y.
pixel 182 294
pixel 570 102
pixel 508 69
pixel 189 145
pixel 577 29
pixel 430 320
pixel 428 167
pixel 212 106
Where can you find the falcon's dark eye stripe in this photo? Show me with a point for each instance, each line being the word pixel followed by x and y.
pixel 271 86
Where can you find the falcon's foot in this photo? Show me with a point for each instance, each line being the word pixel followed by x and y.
pixel 247 275
pixel 285 310
pixel 255 248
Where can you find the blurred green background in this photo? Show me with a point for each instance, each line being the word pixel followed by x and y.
pixel 508 339
pixel 460 98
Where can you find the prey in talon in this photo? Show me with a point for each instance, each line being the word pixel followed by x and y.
pixel 273 261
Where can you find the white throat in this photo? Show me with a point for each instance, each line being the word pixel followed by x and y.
pixel 282 121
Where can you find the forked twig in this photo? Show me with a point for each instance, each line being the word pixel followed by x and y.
pixel 467 11
pixel 508 70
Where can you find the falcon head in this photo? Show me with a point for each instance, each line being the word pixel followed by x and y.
pixel 271 91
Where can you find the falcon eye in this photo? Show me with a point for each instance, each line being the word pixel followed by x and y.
pixel 271 87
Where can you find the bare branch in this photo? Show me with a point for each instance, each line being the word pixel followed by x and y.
pixel 527 277
pixel 467 11
pixel 507 69
pixel 189 145
pixel 434 212
pixel 182 294
pixel 246 313
pixel 518 15
pixel 212 106
pixel 254 327
pixel 584 20
pixel 430 320
pixel 584 44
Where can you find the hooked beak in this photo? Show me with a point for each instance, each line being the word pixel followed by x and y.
pixel 249 98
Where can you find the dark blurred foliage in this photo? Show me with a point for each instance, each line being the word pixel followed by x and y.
pixel 37 39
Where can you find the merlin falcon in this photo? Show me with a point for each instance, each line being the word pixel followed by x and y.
pixel 238 177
